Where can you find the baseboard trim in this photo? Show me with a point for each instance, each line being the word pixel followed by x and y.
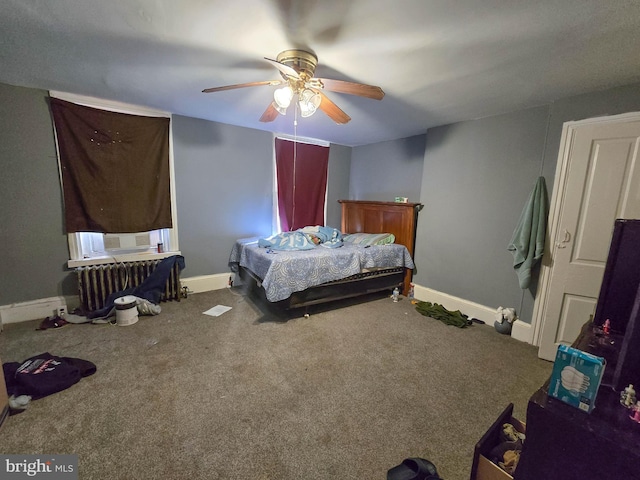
pixel 520 331
pixel 32 310
pixel 45 307
pixel 206 283
pixel 450 302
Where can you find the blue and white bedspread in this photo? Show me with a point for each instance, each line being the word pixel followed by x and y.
pixel 285 272
pixel 304 239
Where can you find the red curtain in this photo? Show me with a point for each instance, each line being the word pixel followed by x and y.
pixel 301 169
pixel 115 169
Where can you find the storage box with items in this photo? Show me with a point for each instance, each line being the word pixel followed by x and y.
pixel 497 454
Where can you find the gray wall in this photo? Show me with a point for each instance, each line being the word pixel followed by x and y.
pixel 337 182
pixel 224 183
pixel 385 170
pixel 33 246
pixel 477 177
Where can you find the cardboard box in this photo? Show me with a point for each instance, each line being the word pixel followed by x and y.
pixel 483 468
pixel 576 377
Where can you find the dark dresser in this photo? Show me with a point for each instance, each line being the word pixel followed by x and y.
pixel 565 443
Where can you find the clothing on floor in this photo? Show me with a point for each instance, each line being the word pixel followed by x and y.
pixel 44 374
pixel 150 289
pixel 437 311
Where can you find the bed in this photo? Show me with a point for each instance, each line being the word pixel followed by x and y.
pixel 294 279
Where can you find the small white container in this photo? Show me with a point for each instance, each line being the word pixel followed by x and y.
pixel 126 310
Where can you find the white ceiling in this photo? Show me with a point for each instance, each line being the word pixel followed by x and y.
pixel 438 61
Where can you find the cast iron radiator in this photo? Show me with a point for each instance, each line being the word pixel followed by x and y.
pixel 97 282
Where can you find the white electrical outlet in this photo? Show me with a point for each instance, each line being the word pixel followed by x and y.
pixel 61 311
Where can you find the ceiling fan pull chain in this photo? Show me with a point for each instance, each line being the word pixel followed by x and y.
pixel 295 158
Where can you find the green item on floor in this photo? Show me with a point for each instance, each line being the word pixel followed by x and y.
pixel 437 311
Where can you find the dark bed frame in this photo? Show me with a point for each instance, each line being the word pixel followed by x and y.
pixel 359 216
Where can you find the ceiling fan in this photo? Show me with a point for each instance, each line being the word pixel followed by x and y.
pixel 296 68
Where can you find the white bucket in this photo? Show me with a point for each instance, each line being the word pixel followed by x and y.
pixel 126 310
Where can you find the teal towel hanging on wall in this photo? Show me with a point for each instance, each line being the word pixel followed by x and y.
pixel 527 243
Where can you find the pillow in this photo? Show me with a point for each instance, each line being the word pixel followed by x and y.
pixel 367 239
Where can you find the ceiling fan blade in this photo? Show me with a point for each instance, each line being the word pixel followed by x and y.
pixel 270 114
pixel 351 88
pixel 334 112
pixel 242 85
pixel 286 70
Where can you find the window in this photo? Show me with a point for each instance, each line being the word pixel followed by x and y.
pixel 86 248
pixel 301 183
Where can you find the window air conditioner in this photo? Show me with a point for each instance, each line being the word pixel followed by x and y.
pixel 127 241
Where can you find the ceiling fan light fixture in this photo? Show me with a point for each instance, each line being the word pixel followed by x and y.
pixel 297 69
pixel 309 102
pixel 279 109
pixel 283 96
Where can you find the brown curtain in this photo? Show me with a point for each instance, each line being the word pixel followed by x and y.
pixel 115 169
pixel 302 183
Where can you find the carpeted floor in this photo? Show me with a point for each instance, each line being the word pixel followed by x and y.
pixel 344 394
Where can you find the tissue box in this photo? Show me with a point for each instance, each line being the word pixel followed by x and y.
pixel 576 377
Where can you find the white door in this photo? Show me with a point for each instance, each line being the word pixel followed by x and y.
pixel 597 182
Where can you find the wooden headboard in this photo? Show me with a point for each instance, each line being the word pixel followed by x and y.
pixel 361 216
